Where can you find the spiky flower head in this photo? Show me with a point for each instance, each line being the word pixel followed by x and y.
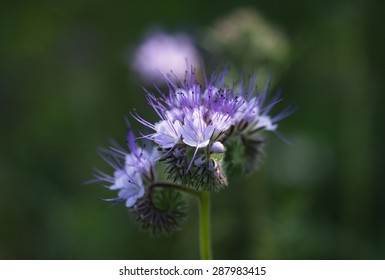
pixel 198 122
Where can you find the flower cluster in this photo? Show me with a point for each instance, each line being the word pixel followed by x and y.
pixel 201 129
pixel 198 123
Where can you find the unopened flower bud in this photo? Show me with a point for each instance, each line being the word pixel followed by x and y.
pixel 212 165
pixel 199 161
pixel 180 163
pixel 178 152
pixel 217 147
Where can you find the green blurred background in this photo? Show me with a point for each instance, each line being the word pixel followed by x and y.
pixel 65 88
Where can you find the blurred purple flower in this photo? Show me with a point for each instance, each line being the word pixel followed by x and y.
pixel 161 53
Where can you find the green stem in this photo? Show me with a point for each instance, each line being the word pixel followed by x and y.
pixel 204 217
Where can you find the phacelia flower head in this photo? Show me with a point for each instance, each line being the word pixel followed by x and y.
pixel 200 121
pixel 202 128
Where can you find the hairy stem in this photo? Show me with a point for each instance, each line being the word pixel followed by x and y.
pixel 204 218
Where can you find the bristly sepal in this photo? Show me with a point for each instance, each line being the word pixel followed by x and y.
pixel 162 212
pixel 245 154
pixel 201 171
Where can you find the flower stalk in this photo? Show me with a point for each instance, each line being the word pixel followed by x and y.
pixel 205 225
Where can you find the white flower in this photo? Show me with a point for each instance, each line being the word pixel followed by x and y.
pixel 266 123
pixel 221 121
pixel 195 131
pixel 167 133
pixel 142 160
pixel 130 185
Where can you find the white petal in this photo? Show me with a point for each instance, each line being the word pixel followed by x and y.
pixel 265 121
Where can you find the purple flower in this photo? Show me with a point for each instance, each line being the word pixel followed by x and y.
pixel 200 127
pixel 131 170
pixel 197 120
pixel 129 184
pixel 167 133
pixel 197 108
pixel 195 132
pixel 161 52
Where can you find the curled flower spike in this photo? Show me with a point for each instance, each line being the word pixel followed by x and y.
pixel 160 211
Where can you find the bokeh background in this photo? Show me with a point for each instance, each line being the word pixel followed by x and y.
pixel 66 84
